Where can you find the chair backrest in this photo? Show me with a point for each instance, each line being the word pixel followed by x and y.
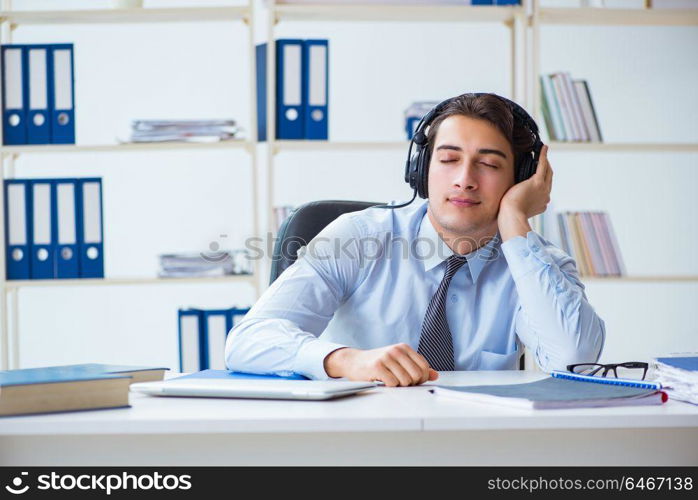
pixel 303 224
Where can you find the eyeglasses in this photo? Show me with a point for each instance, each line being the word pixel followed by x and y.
pixel 631 369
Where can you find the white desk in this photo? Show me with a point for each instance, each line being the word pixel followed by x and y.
pixel 399 426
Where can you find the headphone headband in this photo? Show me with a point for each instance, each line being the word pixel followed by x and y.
pixel 417 165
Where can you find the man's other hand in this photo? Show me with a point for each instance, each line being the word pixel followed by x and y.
pixel 394 365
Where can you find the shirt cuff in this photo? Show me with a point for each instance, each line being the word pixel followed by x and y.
pixel 310 360
pixel 525 255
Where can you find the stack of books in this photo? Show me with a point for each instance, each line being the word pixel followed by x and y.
pixel 678 376
pixel 568 110
pixel 183 130
pixel 589 238
pixel 73 387
pixel 204 265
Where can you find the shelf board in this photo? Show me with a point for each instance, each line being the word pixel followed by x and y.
pixel 619 17
pixel 397 13
pixel 12 284
pixel 118 148
pixel 279 146
pixel 650 279
pixel 137 15
pixel 632 147
pixel 282 145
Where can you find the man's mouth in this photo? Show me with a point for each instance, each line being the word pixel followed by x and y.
pixel 463 202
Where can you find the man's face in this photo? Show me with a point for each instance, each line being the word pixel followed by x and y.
pixel 471 167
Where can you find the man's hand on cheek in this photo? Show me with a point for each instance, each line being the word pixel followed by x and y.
pixel 525 199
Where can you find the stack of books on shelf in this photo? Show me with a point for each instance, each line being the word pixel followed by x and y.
pixel 568 110
pixel 205 264
pixel 281 214
pixel 183 130
pixel 589 238
pixel 678 376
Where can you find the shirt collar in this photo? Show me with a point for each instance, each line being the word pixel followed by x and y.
pixel 432 250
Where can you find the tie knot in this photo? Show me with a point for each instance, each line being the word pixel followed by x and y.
pixel 453 264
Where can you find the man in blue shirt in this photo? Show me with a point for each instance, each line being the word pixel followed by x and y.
pixel 459 281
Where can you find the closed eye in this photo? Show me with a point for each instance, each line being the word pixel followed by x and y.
pixel 448 161
pixel 489 165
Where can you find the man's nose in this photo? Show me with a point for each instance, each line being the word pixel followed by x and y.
pixel 466 177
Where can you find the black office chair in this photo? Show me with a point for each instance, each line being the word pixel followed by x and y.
pixel 304 223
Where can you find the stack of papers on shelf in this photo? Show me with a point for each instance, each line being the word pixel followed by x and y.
pixel 679 376
pixel 183 130
pixel 562 390
pixel 200 265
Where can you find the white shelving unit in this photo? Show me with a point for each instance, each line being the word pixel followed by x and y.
pixel 11 20
pixel 523 21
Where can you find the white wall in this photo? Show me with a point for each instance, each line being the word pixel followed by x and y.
pixel 642 81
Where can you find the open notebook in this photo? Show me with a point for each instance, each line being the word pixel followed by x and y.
pixel 561 390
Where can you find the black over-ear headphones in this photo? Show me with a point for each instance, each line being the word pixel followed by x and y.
pixel 417 165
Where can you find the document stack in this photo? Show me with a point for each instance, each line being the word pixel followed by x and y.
pixel 414 114
pixel 200 265
pixel 568 110
pixel 202 336
pixel 588 237
pixel 678 376
pixel 54 228
pixel 561 390
pixel 38 98
pixel 183 130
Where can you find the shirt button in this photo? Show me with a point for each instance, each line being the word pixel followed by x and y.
pixel 525 253
pixel 454 299
pixel 535 248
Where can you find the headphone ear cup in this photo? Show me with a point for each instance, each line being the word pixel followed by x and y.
pixel 525 169
pixel 423 173
pixel 412 171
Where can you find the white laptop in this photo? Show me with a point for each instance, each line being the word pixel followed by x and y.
pixel 252 388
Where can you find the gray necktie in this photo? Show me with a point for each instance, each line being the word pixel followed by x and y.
pixel 436 342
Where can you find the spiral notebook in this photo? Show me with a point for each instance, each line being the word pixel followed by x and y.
pixel 561 390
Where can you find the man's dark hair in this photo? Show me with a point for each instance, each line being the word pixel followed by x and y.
pixel 493 109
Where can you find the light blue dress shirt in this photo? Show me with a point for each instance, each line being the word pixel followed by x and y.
pixel 365 281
